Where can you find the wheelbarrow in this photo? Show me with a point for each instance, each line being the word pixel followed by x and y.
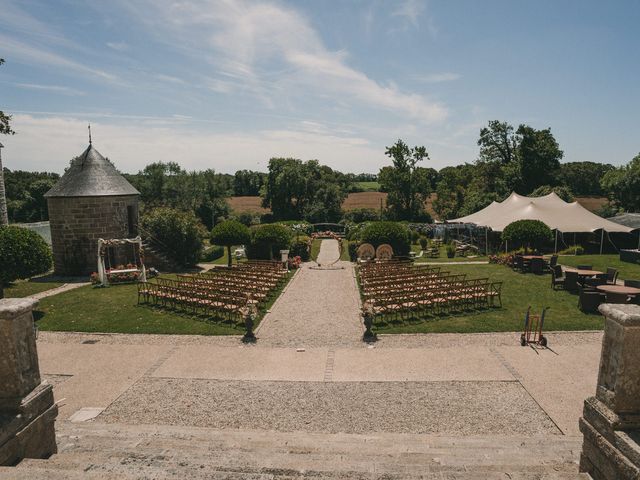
pixel 533 325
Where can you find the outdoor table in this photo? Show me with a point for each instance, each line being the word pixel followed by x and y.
pixel 531 257
pixel 618 293
pixel 585 273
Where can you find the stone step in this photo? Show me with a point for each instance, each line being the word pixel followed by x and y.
pixel 127 451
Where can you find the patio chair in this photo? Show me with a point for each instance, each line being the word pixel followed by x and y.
pixel 557 277
pixel 632 283
pixel 553 261
pixel 518 263
pixel 612 276
pixel 537 266
pixel 571 281
pixel 589 301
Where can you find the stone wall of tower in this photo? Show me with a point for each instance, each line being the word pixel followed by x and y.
pixel 78 222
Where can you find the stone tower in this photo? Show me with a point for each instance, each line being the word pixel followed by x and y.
pixel 91 201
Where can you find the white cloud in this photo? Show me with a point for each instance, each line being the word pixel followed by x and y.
pixel 410 10
pixel 438 77
pixel 118 46
pixel 273 53
pixel 37 56
pixel 132 144
pixel 51 88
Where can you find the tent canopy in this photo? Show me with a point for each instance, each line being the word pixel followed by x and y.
pixel 550 209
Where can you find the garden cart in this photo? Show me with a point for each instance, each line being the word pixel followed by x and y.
pixel 533 325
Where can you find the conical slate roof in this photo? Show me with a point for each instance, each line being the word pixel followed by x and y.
pixel 91 175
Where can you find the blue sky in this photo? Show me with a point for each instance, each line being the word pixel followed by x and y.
pixel 229 84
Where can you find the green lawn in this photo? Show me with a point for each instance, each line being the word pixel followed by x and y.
pixel 443 256
pixel 601 262
pixel 115 310
pixel 368 186
pixel 315 249
pixel 25 288
pixel 518 292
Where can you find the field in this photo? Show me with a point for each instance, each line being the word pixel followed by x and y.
pixel 368 186
pixel 246 204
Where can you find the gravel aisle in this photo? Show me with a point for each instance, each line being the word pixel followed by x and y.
pixel 329 252
pixel 446 408
pixel 319 308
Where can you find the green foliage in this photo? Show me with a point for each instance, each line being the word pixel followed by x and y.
pixel 212 253
pixel 359 215
pixel 623 185
pixel 248 183
pixel 23 254
pixel 247 218
pixel 300 247
pixel 539 158
pixel 230 233
pixel 303 190
pixel 529 233
pixel 268 240
pixel 176 233
pixel 424 242
pixel 25 194
pixel 451 250
pixel 572 250
pixel 168 185
pixel 353 250
pixel 408 186
pixel 415 235
pixel 5 126
pixel 395 234
pixel 583 178
pixel 563 192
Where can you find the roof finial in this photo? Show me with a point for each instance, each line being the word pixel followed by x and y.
pixel 89 134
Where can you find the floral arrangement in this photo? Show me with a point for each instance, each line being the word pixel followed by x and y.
pixel 501 259
pixel 295 262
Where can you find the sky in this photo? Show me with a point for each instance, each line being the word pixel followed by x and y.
pixel 228 84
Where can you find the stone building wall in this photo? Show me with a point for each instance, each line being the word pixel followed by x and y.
pixel 78 222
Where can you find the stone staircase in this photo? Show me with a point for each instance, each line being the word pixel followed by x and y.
pixel 154 257
pixel 112 451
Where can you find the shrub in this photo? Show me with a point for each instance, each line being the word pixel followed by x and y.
pixel 393 233
pixel 212 253
pixel 230 233
pixel 451 250
pixel 360 215
pixel 268 240
pixel 23 254
pixel 301 247
pixel 353 251
pixel 176 233
pixel 423 243
pixel 528 233
pixel 415 236
pixel 572 250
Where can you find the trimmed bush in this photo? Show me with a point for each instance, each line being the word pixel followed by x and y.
pixel 300 247
pixel 230 233
pixel 451 250
pixel 360 215
pixel 527 233
pixel 212 253
pixel 395 234
pixel 268 240
pixel 23 254
pixel 423 243
pixel 175 233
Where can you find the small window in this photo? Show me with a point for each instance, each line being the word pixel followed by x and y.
pixel 132 222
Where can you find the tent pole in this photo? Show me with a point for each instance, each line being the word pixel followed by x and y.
pixel 486 240
pixel 601 240
pixel 555 248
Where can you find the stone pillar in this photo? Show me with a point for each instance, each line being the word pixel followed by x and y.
pixel 611 420
pixel 27 409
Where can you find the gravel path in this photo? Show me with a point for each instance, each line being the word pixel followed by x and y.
pixel 329 252
pixel 446 408
pixel 319 308
pixel 55 291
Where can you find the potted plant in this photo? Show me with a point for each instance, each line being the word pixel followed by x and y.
pixel 451 251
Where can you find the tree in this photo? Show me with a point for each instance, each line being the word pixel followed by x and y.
pixel 230 233
pixel 5 129
pixel 539 158
pixel 176 233
pixel 498 143
pixel 407 185
pixel 268 240
pixel 297 190
pixel 623 185
pixel 563 192
pixel 248 183
pixel 527 233
pixel 23 254
pixel 583 178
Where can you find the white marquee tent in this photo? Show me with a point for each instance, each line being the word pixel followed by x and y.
pixel 557 214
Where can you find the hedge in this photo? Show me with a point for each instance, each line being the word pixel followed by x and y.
pixel 23 254
pixel 268 240
pixel 395 234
